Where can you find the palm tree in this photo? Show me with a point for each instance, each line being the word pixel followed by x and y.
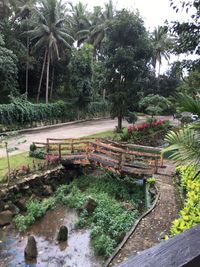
pixel 161 43
pixel 50 35
pixel 6 8
pixel 99 25
pixel 23 12
pixel 80 22
pixel 185 144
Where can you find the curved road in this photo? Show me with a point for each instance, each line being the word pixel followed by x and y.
pixel 22 141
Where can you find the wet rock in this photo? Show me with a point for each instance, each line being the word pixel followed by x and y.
pixel 12 207
pixel 2 204
pixel 90 205
pixel 62 234
pixel 5 217
pixel 21 204
pixel 30 251
pixel 47 190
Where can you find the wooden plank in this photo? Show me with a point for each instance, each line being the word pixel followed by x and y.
pixel 179 251
pixel 126 151
pixel 132 171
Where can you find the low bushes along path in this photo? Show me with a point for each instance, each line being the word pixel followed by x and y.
pixel 152 229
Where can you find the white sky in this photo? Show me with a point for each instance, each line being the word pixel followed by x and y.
pixel 153 12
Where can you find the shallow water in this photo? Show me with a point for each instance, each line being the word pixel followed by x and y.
pixel 76 252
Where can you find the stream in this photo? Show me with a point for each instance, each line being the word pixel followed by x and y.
pixel 76 252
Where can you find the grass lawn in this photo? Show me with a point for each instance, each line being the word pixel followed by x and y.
pixel 107 134
pixel 15 162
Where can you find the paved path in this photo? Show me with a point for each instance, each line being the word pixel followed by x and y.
pixel 23 141
pixel 156 224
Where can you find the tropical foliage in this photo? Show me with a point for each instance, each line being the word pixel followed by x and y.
pixel 189 215
pixel 185 144
pixel 128 51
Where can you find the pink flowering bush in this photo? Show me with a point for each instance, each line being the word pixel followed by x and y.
pixel 145 126
pixel 135 132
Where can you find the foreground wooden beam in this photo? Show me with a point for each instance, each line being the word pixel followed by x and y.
pixel 180 251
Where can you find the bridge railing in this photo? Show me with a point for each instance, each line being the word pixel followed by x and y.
pixel 121 154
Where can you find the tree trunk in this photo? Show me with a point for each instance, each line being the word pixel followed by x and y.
pixel 41 76
pixel 119 127
pixel 78 113
pixel 47 79
pixel 52 79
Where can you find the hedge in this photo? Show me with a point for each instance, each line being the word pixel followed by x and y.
pixel 189 216
pixel 24 113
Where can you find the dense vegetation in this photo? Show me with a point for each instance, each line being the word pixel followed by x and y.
pixel 119 202
pixel 52 50
pixel 189 215
pixel 21 113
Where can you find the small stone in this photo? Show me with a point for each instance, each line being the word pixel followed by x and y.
pixel 47 190
pixel 6 217
pixel 90 205
pixel 12 207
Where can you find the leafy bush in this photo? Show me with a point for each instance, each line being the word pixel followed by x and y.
pixel 186 119
pixel 133 132
pixel 21 111
pixel 189 216
pixel 35 210
pixel 39 154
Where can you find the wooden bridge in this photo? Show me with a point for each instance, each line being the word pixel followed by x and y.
pixel 124 159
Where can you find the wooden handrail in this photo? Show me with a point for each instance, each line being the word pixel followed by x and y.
pixel 120 153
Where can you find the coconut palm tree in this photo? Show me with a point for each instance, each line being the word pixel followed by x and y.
pixel 185 144
pixel 161 43
pixel 99 24
pixel 6 8
pixel 23 12
pixel 80 22
pixel 50 35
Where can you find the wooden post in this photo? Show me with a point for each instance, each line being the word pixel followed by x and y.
pixel 47 147
pixel 72 146
pixel 156 165
pixel 59 151
pixel 8 161
pixel 161 160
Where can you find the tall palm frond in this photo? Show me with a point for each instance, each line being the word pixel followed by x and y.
pixel 50 34
pixel 80 22
pixel 184 146
pixel 188 103
pixel 99 25
pixel 161 44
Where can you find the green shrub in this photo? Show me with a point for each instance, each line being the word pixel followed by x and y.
pixel 39 154
pixel 189 216
pixel 35 210
pixel 20 112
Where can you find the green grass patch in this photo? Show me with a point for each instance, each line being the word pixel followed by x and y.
pixel 106 134
pixel 16 161
pixel 111 218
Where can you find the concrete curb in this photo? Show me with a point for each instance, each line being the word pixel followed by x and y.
pixel 41 128
pixel 132 230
